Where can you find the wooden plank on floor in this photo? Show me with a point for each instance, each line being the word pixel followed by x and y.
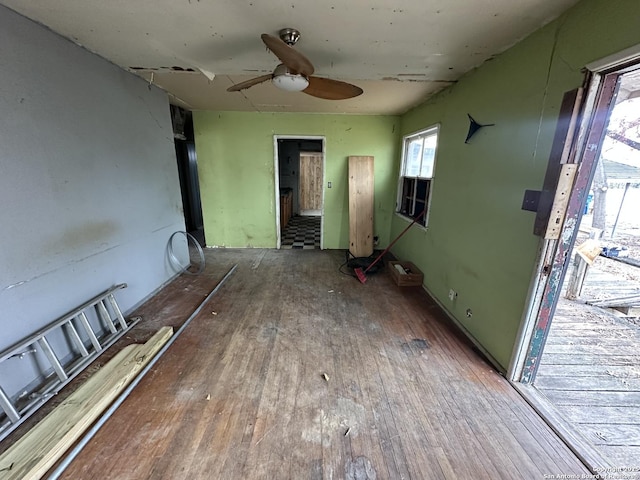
pixel 608 341
pixel 625 459
pixel 592 384
pixel 619 371
pixel 40 448
pixel 611 399
pixel 590 331
pixel 613 435
pixel 588 359
pixel 601 327
pixel 597 414
pixel 601 350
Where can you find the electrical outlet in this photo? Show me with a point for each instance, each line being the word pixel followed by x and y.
pixel 328 184
pixel 452 294
pixel 469 313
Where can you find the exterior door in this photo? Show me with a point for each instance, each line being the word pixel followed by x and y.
pixel 310 183
pixel 579 159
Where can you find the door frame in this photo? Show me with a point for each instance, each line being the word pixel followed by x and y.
pixel 554 254
pixel 188 173
pixel 276 191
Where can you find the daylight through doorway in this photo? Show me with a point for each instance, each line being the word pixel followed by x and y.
pixel 589 369
pixel 581 369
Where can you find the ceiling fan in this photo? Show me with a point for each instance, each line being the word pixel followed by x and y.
pixel 295 73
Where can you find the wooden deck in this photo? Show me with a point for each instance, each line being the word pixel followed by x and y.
pixel 242 392
pixel 590 371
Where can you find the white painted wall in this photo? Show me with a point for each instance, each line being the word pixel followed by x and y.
pixel 89 189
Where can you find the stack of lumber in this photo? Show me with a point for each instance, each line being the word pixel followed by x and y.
pixel 629 305
pixel 38 450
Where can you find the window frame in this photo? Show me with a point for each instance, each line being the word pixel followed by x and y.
pixel 406 142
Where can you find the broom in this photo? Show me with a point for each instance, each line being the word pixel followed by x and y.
pixel 362 274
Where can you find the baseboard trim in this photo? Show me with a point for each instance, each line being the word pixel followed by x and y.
pixel 499 368
pixel 153 293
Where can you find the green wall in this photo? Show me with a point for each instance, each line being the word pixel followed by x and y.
pixel 479 242
pixel 236 169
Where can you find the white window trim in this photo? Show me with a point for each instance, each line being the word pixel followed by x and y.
pixel 615 61
pixel 405 140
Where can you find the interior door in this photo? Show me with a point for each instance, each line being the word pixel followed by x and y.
pixel 310 183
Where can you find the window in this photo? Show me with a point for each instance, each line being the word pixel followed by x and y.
pixel 416 173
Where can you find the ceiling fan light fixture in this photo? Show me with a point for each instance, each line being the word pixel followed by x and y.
pixel 295 73
pixel 288 81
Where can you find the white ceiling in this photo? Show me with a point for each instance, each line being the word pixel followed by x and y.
pixel 400 52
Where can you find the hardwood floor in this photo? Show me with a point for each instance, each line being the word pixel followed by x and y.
pixel 242 393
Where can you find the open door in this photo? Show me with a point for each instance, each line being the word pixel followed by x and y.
pixel 583 419
pixel 578 151
pixel 310 183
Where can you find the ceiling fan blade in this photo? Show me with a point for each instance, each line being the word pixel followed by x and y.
pixel 249 83
pixel 293 59
pixel 331 89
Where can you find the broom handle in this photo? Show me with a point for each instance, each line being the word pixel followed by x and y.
pixel 395 240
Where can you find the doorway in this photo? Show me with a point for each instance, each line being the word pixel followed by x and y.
pixel 583 378
pixel 184 141
pixel 299 185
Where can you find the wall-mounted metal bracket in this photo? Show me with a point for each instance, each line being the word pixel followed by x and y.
pixel 531 200
pixel 474 127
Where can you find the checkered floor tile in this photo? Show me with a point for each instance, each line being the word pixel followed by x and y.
pixel 302 233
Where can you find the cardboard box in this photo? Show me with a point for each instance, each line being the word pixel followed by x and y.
pixel 413 276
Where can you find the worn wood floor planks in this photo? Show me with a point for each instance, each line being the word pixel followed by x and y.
pixel 34 454
pixel 241 393
pixel 590 371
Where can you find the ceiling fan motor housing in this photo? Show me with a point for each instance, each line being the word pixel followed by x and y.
pixel 290 36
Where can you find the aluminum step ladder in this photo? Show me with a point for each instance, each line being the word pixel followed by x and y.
pixel 91 328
